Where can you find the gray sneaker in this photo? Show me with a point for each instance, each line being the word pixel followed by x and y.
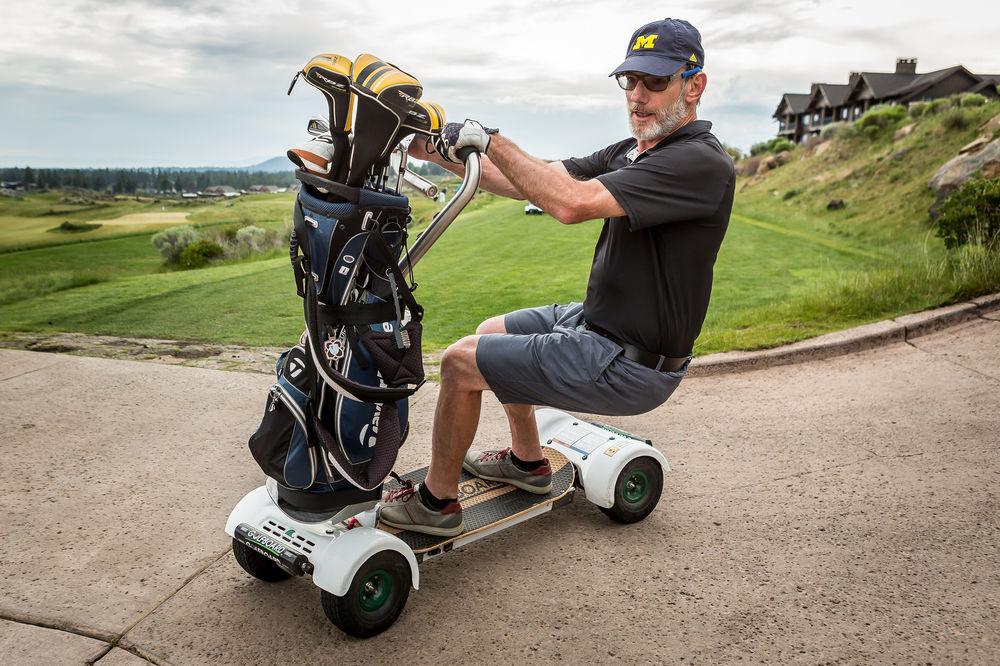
pixel 402 508
pixel 498 466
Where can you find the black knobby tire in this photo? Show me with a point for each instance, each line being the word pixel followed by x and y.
pixel 637 490
pixel 375 598
pixel 257 565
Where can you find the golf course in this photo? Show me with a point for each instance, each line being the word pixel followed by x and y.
pixel 788 269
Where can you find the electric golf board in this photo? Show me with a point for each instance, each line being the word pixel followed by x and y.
pixel 489 506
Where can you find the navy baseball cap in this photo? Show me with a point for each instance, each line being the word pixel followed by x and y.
pixel 661 47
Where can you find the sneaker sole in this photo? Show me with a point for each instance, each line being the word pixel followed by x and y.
pixel 537 490
pixel 427 529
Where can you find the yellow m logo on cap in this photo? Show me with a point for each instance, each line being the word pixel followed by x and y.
pixel 644 42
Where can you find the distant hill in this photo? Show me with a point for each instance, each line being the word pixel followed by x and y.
pixel 273 165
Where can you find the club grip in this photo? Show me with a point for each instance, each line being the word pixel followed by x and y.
pixel 464 152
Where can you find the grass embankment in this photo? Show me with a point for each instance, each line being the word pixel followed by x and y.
pixel 789 268
pixel 884 186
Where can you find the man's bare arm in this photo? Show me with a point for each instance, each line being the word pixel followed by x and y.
pixel 550 186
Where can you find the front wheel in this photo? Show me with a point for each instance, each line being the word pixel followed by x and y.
pixel 376 596
pixel 637 491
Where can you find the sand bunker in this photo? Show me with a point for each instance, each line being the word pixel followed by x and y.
pixel 140 219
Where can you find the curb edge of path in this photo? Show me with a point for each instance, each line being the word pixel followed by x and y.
pixel 850 340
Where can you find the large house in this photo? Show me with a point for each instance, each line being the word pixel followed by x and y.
pixel 802 115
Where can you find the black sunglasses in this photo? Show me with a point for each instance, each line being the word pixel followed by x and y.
pixel 652 83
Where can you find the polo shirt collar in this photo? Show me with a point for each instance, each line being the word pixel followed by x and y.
pixel 691 129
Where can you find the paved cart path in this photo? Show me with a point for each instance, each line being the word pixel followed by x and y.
pixel 845 510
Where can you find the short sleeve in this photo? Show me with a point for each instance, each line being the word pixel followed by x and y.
pixel 590 166
pixel 686 182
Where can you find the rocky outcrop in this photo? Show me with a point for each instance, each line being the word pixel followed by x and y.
pixel 904 131
pixel 981 161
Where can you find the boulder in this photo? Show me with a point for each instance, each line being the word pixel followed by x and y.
pixel 962 167
pixel 904 131
pixel 836 204
pixel 822 148
pixel 974 145
pixel 899 154
pixel 991 125
pixel 768 163
pixel 784 157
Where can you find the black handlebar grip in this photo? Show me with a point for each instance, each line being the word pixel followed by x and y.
pixel 464 152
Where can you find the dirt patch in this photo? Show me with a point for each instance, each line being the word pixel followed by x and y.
pixel 171 352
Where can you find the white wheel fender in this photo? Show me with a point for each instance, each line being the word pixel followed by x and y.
pixel 249 509
pixel 336 563
pixel 600 471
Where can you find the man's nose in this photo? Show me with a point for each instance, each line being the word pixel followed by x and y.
pixel 638 94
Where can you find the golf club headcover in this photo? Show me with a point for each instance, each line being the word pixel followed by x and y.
pixel 330 73
pixel 385 94
pixel 314 156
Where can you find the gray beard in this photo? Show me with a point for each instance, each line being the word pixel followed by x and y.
pixel 664 122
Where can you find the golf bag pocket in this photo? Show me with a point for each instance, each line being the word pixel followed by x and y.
pixel 397 364
pixel 281 443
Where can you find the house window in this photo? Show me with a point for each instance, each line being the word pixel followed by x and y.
pixel 857 110
pixel 843 113
pixel 815 117
pixel 805 120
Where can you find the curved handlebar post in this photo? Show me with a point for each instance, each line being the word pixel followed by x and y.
pixel 463 195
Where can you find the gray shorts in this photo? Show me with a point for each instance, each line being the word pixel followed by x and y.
pixel 547 357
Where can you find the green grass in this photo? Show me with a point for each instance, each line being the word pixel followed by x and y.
pixel 788 269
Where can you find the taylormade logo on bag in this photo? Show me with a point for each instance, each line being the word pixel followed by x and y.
pixel 333 84
pixel 409 98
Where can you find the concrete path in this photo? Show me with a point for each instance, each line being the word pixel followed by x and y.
pixel 845 510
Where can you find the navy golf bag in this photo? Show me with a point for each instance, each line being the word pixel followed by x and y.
pixel 337 413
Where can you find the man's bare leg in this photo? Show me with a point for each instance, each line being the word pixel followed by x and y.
pixel 456 417
pixel 523 429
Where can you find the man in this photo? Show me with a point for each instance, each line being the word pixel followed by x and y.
pixel 665 196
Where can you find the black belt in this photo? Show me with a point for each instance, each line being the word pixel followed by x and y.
pixel 640 355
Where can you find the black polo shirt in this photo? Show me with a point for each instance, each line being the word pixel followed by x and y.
pixel 652 273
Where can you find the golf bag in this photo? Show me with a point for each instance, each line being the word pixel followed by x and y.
pixel 337 414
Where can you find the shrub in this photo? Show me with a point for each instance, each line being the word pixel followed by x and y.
pixel 971 99
pixel 779 144
pixel 879 119
pixel 199 253
pixel 971 214
pixel 789 194
pixel 837 131
pixel 735 153
pixel 954 120
pixel 250 239
pixel 917 109
pixel 758 148
pixel 173 241
pixel 228 232
pixel 937 105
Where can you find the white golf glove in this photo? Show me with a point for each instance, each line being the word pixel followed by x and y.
pixel 459 135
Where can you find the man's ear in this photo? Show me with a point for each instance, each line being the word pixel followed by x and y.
pixel 696 88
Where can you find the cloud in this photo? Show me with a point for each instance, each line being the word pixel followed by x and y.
pixel 144 82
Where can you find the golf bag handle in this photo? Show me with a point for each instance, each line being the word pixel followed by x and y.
pixel 463 195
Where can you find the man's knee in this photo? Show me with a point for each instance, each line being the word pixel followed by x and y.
pixel 458 363
pixel 492 325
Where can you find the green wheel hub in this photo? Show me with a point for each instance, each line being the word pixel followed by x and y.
pixel 375 590
pixel 635 487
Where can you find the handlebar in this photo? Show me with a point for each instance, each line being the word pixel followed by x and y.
pixel 463 195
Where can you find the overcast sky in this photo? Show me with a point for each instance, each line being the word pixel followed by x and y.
pixel 189 83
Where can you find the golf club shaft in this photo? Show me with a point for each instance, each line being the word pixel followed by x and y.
pixel 426 187
pixel 463 195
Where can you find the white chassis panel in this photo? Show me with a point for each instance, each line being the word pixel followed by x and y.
pixel 337 553
pixel 599 453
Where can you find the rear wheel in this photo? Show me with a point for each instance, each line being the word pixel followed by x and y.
pixel 376 596
pixel 257 565
pixel 637 490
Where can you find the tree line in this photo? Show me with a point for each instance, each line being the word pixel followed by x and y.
pixel 130 181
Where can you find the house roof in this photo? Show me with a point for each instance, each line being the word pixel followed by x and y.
pixel 795 102
pixel 926 80
pixel 832 94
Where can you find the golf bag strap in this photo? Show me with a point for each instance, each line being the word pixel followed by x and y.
pixel 358 313
pixel 341 382
pixel 405 291
pixel 387 442
pixel 344 191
